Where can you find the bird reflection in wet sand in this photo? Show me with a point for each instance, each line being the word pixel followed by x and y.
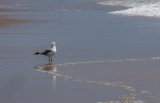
pixel 51 69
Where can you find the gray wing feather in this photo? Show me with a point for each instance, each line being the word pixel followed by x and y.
pixel 46 52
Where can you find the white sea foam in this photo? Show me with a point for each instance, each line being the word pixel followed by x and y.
pixel 111 61
pixel 151 10
pixel 136 7
pixel 27 4
pixel 155 58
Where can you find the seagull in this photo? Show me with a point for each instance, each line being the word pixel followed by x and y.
pixel 50 52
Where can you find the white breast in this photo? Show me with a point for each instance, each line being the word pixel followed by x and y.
pixel 51 54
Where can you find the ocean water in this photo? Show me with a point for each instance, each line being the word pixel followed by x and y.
pixel 100 57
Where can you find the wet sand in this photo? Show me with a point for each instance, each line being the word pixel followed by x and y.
pixel 125 81
pixel 99 60
pixel 8 20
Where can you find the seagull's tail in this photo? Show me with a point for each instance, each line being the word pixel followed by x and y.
pixel 36 53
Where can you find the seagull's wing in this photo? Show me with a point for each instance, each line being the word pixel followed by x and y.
pixel 46 52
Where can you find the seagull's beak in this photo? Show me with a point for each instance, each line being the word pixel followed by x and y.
pixel 56 44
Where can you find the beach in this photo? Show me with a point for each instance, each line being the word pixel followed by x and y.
pixel 103 55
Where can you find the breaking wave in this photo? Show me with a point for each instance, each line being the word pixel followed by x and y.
pixel 150 8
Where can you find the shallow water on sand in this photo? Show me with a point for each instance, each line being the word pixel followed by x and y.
pixel 119 49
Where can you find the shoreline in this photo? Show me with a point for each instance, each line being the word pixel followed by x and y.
pixel 101 58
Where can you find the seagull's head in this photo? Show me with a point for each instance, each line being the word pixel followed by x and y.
pixel 54 44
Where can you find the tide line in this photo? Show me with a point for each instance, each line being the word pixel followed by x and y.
pixel 112 61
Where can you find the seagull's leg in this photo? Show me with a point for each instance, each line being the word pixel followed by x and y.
pixel 50 62
pixel 51 58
